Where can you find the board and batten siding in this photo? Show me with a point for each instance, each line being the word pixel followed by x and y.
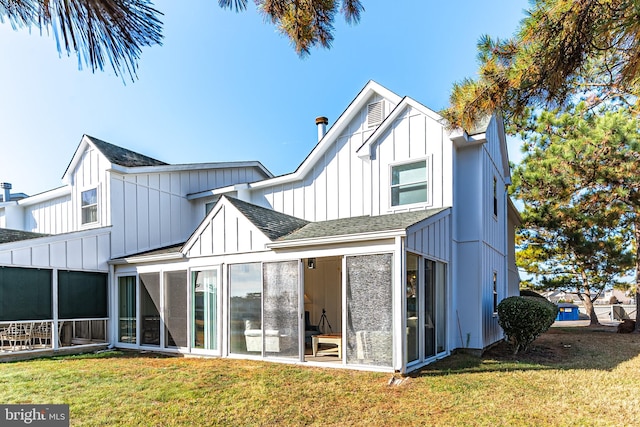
pixel 492 261
pixel 493 226
pixel 342 184
pixel 85 250
pixel 151 210
pixel 89 173
pixel 54 216
pixel 432 240
pixel 227 232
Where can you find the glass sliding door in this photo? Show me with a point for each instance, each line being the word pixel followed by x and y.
pixel 369 310
pixel 150 308
pixel 245 308
pixel 412 308
pixel 204 289
pixel 175 308
pixel 441 306
pixel 127 309
pixel 281 301
pixel 429 308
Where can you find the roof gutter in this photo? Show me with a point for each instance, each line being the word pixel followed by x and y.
pixel 172 256
pixel 317 241
pixel 46 196
pixel 190 167
pixel 462 138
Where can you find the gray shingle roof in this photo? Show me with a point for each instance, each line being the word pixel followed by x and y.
pixel 122 156
pixel 360 225
pixel 8 235
pixel 273 224
pixel 173 249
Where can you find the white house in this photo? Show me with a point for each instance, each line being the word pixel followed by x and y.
pixel 394 235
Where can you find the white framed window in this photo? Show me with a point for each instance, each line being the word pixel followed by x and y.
pixel 89 206
pixel 495 293
pixel 409 183
pixel 495 198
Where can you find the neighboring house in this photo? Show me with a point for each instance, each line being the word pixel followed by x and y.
pixel 396 230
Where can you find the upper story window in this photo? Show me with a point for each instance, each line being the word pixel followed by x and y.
pixel 89 206
pixel 495 197
pixel 409 183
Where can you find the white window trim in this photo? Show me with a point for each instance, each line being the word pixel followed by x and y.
pixel 97 205
pixel 494 293
pixel 495 204
pixel 428 202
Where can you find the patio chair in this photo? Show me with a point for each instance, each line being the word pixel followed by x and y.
pixel 41 332
pixel 17 333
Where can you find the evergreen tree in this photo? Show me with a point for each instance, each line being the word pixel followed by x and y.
pixel 113 32
pixel 580 186
pixel 562 48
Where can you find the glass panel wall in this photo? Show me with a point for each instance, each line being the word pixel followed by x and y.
pixel 245 309
pixel 369 310
pixel 127 309
pixel 205 309
pixel 281 309
pixel 150 308
pixel 413 316
pixel 175 312
pixel 441 314
pixel 429 307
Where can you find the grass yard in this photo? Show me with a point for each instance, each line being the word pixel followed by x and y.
pixel 572 376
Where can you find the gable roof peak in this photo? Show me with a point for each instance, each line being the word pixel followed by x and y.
pixel 122 156
pixel 272 223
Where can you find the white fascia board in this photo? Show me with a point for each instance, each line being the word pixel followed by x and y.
pixel 217 191
pixel 462 138
pixel 46 196
pixel 349 238
pixel 144 259
pixel 364 151
pixel 190 167
pixel 77 156
pixel 333 133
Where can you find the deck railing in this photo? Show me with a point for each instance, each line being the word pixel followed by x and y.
pixel 34 335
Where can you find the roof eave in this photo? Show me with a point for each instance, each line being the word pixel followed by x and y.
pixel 462 139
pixel 333 133
pixel 46 196
pixel 364 151
pixel 173 256
pixel 190 167
pixel 317 241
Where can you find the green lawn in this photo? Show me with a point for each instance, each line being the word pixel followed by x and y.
pixel 573 376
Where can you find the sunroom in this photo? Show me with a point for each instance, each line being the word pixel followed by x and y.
pixel 365 293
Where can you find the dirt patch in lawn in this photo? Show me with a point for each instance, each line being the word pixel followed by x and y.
pixel 570 346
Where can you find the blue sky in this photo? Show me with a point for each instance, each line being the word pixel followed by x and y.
pixel 227 86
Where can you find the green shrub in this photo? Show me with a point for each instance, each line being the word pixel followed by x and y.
pixel 523 319
pixel 530 293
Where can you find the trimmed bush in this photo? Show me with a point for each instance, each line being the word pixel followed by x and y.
pixel 523 319
pixel 530 293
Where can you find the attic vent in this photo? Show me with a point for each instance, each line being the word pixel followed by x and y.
pixel 374 113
